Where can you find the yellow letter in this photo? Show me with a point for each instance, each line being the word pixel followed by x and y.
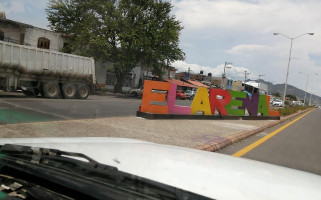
pixel 201 102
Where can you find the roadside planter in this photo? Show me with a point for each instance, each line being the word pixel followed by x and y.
pixel 213 103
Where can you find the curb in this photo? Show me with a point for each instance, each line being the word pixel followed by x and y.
pixel 202 117
pixel 231 139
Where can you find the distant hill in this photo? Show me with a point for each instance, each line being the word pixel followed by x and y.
pixel 290 90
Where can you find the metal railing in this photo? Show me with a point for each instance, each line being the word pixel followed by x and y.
pixel 10 40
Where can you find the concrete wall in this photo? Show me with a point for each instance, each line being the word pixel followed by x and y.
pixel 263 88
pixel 237 86
pixel 33 34
pixel 12 33
pixel 101 71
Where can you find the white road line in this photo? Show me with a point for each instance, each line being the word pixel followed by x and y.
pixel 36 110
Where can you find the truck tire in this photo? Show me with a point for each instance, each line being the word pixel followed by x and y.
pixel 82 91
pixel 51 90
pixel 69 90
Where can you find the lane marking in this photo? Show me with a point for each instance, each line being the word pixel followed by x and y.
pixel 35 110
pixel 249 148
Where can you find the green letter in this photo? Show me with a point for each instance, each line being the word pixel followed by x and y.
pixel 233 107
pixel 262 107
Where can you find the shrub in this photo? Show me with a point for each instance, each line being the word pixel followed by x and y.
pixel 290 110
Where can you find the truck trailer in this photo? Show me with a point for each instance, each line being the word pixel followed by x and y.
pixel 48 73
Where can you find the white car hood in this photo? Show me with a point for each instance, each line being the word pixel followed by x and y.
pixel 210 174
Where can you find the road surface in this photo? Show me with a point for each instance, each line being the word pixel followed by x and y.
pixel 15 108
pixel 297 146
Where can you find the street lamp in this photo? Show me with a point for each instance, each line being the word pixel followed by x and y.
pixel 245 75
pixel 306 86
pixel 226 65
pixel 287 72
pixel 260 75
pixel 310 96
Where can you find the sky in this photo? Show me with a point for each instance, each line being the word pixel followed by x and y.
pixel 234 31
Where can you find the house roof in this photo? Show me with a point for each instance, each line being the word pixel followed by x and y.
pixel 180 83
pixel 199 84
pixel 14 23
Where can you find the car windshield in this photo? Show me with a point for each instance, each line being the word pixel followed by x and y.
pixel 173 92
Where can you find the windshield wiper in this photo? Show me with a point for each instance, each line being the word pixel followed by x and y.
pixel 91 177
pixel 37 153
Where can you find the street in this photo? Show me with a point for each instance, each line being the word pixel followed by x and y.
pixel 27 109
pixel 297 146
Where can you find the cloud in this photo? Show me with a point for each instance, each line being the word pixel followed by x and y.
pixel 241 31
pixel 248 48
pixel 12 7
pixel 261 16
pixel 235 72
pixel 26 11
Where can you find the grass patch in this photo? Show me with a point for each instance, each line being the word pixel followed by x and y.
pixel 291 110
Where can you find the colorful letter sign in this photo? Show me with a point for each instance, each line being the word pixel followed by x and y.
pixel 227 103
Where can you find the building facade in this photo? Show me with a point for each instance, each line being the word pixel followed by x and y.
pixel 25 34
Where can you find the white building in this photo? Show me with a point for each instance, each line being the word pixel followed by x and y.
pixel 25 34
pixel 262 88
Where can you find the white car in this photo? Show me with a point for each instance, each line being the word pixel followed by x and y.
pixel 136 92
pixel 277 102
pixel 178 171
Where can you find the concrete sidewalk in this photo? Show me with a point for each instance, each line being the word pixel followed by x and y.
pixel 207 135
pixel 187 133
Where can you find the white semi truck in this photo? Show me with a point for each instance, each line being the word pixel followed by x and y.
pixel 49 73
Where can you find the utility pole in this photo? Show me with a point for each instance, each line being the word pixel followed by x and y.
pixel 260 75
pixel 224 74
pixel 310 99
pixel 245 75
pixel 306 85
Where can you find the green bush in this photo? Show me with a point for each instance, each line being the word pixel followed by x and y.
pixel 290 110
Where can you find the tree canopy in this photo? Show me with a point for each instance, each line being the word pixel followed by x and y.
pixel 277 94
pixel 126 33
pixel 291 97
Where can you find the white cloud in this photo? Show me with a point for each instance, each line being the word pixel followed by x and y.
pixel 248 48
pixel 242 32
pixel 12 7
pixel 262 16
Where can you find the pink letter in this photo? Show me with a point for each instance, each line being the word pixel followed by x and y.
pixel 172 108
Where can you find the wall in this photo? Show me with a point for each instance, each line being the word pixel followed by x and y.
pixel 32 35
pixel 237 86
pixel 101 71
pixel 263 88
pixel 12 33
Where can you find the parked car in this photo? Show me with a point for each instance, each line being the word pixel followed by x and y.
pixel 277 102
pixel 190 94
pixel 180 94
pixel 138 92
pixel 297 103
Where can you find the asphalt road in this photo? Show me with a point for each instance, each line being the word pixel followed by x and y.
pixel 16 107
pixel 298 146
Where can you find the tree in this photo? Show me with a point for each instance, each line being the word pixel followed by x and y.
pixel 277 94
pixel 126 33
pixel 291 97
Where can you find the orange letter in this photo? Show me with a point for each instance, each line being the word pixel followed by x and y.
pixel 149 96
pixel 271 112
